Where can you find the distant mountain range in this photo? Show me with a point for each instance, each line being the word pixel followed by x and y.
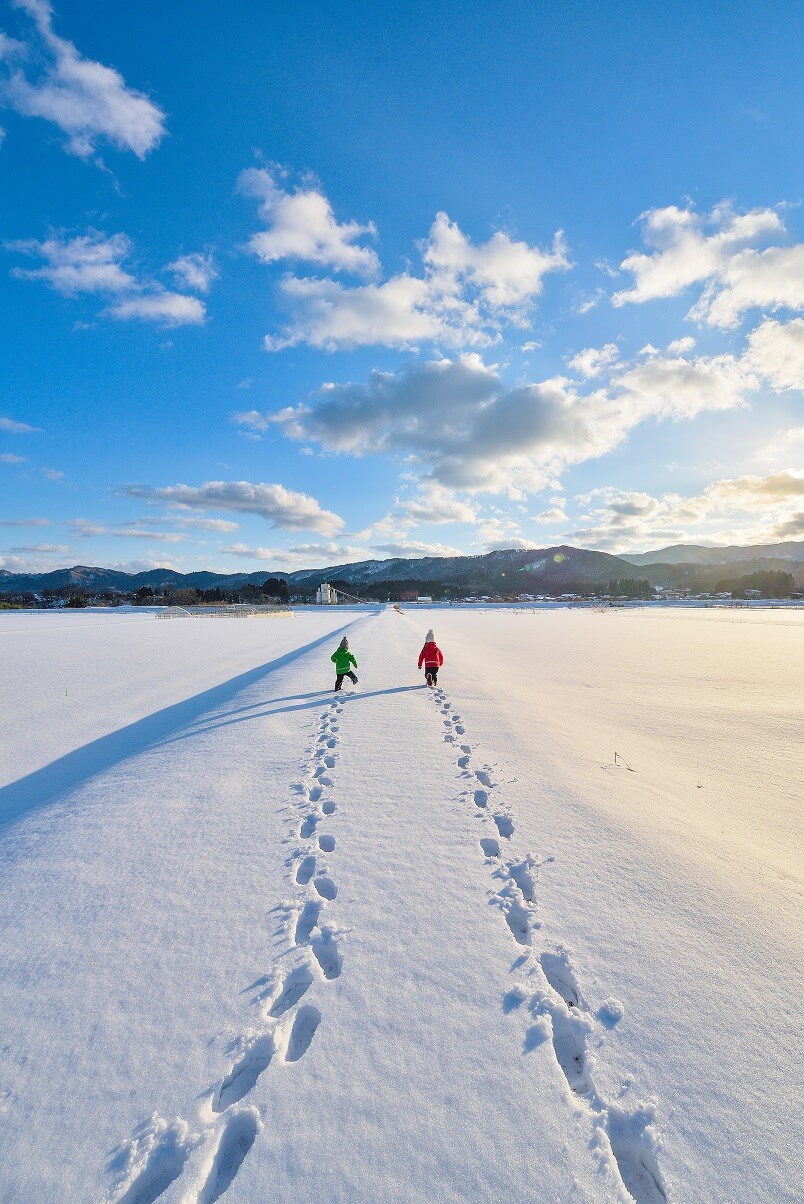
pixel 692 553
pixel 530 570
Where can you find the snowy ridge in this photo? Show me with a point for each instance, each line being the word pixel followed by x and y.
pixel 158 1152
pixel 547 984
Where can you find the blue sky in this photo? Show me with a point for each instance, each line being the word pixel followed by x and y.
pixel 296 285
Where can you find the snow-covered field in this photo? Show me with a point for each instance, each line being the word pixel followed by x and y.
pixel 402 945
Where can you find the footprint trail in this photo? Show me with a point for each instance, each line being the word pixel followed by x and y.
pixel 159 1153
pixel 549 990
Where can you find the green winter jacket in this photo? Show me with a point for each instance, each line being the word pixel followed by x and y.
pixel 343 658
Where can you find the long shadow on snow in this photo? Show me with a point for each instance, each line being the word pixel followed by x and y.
pixel 346 695
pixel 37 788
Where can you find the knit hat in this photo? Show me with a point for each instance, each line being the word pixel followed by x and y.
pixel 429 638
pixel 344 643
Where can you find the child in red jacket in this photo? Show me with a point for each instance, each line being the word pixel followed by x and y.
pixel 432 658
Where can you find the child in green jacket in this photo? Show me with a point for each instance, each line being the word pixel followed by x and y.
pixel 343 658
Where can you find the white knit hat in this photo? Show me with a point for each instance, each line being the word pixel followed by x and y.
pixel 429 638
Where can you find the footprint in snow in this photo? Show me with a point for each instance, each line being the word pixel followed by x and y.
pixel 481 799
pixel 328 808
pixel 305 1023
pixel 236 1140
pixel 308 827
pixel 294 985
pixel 490 846
pixel 484 778
pixel 328 955
pixel 157 1156
pixel 559 973
pixel 326 843
pixel 568 1043
pixel 635 1154
pixel 521 873
pixel 463 762
pixel 505 826
pixel 305 870
pixel 244 1074
pixel 326 888
pixel 517 917
pixel 307 921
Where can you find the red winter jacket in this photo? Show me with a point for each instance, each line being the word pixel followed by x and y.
pixel 431 655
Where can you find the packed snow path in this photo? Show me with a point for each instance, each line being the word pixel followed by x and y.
pixel 293 947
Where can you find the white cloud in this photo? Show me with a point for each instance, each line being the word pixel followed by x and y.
pixel 404 311
pixel 24 522
pixel 17 428
pixel 681 253
pixel 84 529
pixel 681 346
pixel 280 507
pixel 476 433
pixel 552 516
pixel 88 101
pixel 300 556
pixel 752 492
pixel 769 280
pixel 195 272
pixel 10 48
pixel 459 299
pixel 757 509
pixel 40 563
pixel 405 548
pixel 785 444
pixel 171 309
pixel 681 388
pixel 776 351
pixel 498 533
pixel 593 360
pixel 255 422
pixel 93 263
pixel 591 302
pixel 11 458
pixel 436 505
pixel 719 251
pixel 88 263
pixel 301 225
pixel 53 474
pixel 507 274
pixel 50 549
pixel 222 525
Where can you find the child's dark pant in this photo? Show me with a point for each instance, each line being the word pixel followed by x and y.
pixel 339 679
pixel 431 671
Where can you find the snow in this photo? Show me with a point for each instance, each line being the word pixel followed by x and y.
pixel 399 944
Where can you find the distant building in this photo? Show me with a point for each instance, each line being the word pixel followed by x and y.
pixel 423 598
pixel 325 595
